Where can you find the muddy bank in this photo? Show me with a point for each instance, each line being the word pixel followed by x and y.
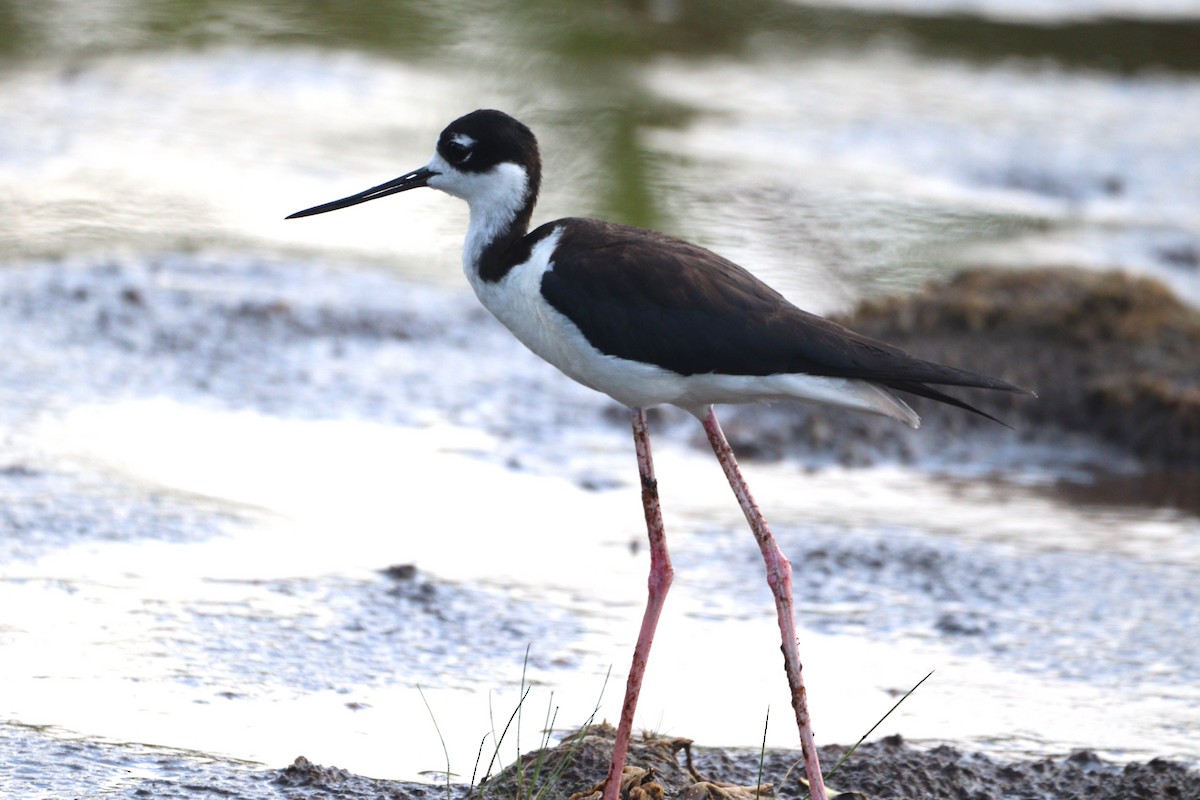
pixel 890 768
pixel 667 767
pixel 1108 353
pixel 1112 358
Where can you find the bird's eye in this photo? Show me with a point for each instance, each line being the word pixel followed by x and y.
pixel 457 152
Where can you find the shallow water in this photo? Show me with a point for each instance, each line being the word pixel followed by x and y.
pixel 221 429
pixel 199 526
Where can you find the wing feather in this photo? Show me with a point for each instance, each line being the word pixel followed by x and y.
pixel 645 296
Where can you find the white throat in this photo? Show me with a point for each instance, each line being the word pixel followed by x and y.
pixel 495 198
pixel 493 211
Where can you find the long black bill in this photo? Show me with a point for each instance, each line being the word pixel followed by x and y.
pixel 413 180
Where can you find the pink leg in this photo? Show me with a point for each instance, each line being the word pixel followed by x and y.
pixel 779 577
pixel 661 574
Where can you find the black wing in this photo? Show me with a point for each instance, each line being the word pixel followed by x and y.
pixel 645 296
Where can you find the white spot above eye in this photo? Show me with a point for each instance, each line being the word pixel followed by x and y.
pixel 465 142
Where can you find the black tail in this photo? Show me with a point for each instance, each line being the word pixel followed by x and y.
pixel 924 390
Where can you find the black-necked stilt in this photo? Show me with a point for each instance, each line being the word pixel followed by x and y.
pixel 649 320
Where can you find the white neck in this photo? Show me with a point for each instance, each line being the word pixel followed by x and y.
pixel 496 200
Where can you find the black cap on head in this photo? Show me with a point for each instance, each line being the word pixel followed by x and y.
pixel 479 141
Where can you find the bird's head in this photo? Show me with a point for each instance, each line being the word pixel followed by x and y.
pixel 487 158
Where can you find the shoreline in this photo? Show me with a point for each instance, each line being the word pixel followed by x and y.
pixel 662 767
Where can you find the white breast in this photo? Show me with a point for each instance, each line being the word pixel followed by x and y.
pixel 516 300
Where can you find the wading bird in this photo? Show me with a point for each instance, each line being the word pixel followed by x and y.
pixel 649 319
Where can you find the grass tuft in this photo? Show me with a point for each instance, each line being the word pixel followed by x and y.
pixel 535 776
pixel 862 738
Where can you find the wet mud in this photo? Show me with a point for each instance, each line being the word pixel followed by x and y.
pixel 674 767
pixel 658 767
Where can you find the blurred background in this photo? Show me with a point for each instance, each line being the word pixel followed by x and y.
pixel 838 147
pixel 221 429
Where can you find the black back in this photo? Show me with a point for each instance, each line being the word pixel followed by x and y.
pixel 645 296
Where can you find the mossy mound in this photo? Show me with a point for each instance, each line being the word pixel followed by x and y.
pixel 1108 353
